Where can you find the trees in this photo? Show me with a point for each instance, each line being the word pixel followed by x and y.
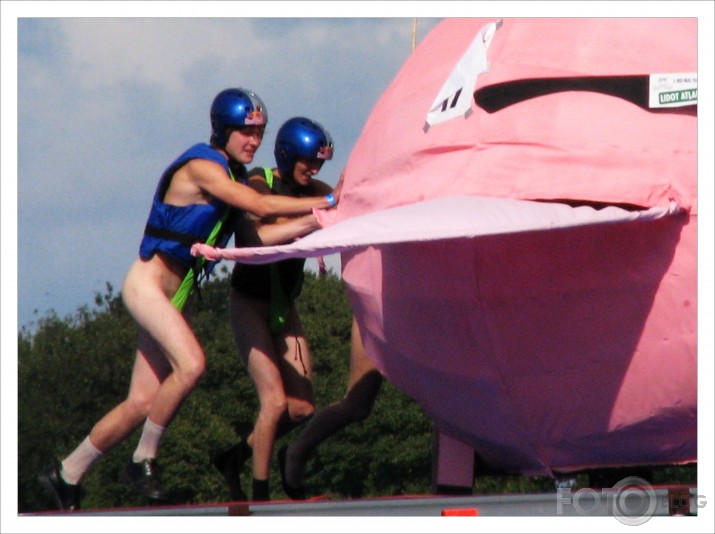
pixel 73 369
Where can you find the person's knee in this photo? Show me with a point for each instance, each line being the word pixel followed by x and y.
pixel 138 405
pixel 360 400
pixel 299 411
pixel 191 371
pixel 273 408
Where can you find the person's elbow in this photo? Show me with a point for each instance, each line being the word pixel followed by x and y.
pixel 264 207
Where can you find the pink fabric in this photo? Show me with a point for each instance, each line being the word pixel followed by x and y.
pixel 574 145
pixel 441 218
pixel 545 339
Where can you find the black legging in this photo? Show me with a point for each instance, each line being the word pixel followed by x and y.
pixel 354 407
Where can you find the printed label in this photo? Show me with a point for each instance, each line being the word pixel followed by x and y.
pixel 453 100
pixel 673 90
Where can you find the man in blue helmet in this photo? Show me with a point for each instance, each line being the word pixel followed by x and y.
pixel 264 319
pixel 192 202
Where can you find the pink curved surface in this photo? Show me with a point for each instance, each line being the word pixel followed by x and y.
pixel 546 350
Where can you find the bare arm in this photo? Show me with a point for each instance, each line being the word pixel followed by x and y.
pixel 273 230
pixel 211 178
pixel 287 230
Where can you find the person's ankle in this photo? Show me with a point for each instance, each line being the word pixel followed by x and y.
pixel 260 490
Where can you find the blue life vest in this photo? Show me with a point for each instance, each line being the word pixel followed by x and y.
pixel 173 229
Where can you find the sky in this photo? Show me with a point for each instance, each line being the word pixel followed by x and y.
pixel 104 105
pixel 99 97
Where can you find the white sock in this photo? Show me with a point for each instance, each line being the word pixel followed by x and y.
pixel 79 462
pixel 149 441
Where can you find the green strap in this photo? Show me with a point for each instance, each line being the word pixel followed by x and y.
pixel 269 176
pixel 279 301
pixel 185 289
pixel 188 284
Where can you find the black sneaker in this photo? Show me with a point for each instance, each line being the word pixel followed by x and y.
pixel 66 495
pixel 230 463
pixel 297 494
pixel 143 478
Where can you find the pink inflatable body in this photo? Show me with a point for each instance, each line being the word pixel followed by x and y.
pixel 522 261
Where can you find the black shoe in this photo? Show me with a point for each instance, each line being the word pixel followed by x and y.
pixel 143 477
pixel 297 494
pixel 66 495
pixel 230 464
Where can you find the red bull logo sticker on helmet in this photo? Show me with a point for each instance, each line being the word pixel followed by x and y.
pixel 257 116
pixel 325 152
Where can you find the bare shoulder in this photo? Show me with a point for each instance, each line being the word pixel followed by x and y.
pixel 201 171
pixel 193 180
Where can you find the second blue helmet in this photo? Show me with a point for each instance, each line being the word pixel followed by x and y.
pixel 234 108
pixel 300 136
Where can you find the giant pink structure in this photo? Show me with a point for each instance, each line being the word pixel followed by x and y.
pixel 518 229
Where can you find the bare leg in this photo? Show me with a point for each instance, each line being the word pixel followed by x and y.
pixel 168 363
pixel 146 380
pixel 174 341
pixel 255 344
pixel 296 371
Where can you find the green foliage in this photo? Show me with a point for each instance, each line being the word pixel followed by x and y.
pixel 69 373
pixel 72 370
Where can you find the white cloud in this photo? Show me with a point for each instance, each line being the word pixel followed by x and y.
pixel 105 104
pixel 152 51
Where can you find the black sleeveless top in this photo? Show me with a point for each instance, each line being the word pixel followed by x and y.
pixel 255 280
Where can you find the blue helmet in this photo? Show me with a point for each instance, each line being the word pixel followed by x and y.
pixel 233 108
pixel 301 137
